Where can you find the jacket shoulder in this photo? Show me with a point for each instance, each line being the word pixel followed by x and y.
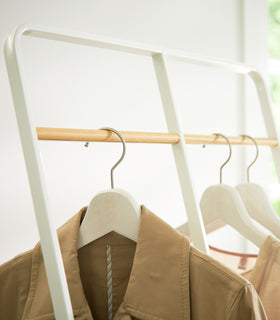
pixel 222 290
pixel 15 276
pixel 207 264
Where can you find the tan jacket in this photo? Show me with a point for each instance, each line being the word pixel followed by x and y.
pixel 160 278
pixel 262 270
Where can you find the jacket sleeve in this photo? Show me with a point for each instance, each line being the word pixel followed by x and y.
pixel 247 305
pixel 14 285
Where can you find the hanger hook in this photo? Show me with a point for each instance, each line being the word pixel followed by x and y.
pixel 230 153
pixel 122 156
pixel 256 157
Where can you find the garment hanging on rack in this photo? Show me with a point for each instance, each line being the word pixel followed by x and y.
pixel 262 270
pixel 160 277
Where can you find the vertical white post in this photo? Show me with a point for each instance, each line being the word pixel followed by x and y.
pixel 196 225
pixel 49 242
pixel 270 124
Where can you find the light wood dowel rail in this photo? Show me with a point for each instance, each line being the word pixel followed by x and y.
pixel 63 134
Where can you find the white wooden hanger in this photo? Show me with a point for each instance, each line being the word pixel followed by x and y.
pixel 221 205
pixel 257 202
pixel 110 210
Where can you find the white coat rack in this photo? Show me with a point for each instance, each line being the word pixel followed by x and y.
pixel 50 247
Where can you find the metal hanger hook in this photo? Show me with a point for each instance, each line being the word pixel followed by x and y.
pixel 256 157
pixel 230 153
pixel 122 156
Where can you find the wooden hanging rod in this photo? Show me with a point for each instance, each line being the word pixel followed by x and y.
pixel 62 134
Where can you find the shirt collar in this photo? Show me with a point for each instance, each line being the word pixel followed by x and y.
pixel 158 286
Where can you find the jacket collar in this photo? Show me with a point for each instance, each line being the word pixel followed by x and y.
pixel 160 268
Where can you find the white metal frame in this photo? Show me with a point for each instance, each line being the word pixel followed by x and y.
pixel 50 247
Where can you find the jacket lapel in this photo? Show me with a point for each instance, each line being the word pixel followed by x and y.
pixel 158 287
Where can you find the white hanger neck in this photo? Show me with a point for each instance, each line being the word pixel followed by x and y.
pixel 110 210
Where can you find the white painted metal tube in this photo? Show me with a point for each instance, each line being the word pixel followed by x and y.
pixel 49 242
pixel 267 113
pixel 126 46
pixel 197 229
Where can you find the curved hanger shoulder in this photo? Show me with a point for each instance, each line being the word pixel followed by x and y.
pixel 259 206
pixel 222 203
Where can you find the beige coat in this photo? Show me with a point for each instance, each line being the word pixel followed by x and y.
pixel 160 278
pixel 262 270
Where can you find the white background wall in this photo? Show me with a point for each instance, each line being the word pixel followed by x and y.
pixel 81 87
